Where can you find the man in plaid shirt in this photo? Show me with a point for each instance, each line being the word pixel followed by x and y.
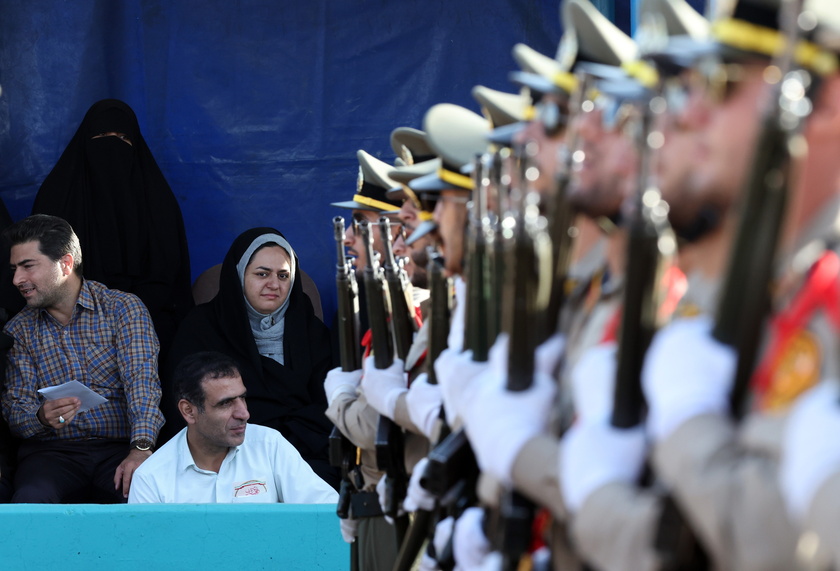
pixel 72 328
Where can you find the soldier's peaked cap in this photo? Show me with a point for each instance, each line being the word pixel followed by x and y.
pixel 742 29
pixel 456 134
pixel 372 186
pixel 411 145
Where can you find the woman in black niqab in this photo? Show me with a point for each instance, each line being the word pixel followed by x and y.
pixel 285 387
pixel 111 191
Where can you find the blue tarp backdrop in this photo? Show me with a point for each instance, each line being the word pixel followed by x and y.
pixel 254 109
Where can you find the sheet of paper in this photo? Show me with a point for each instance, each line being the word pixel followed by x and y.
pixel 74 389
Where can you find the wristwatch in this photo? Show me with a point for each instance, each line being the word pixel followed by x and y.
pixel 142 444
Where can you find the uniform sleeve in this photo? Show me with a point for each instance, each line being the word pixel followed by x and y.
pixel 355 419
pixel 615 528
pixel 729 494
pixel 535 474
pixel 137 351
pixel 402 417
pixel 20 399
pixel 296 481
pixel 821 519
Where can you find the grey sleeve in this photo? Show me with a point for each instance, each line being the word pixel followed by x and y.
pixel 729 494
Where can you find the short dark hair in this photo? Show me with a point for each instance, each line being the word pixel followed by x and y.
pixel 194 369
pixel 54 235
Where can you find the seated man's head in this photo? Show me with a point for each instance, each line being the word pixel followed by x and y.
pixel 45 255
pixel 211 398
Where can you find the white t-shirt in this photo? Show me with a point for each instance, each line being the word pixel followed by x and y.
pixel 264 469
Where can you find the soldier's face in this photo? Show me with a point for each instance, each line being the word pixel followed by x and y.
pixel 606 170
pixel 416 258
pixel 545 131
pixel 726 122
pixel 409 216
pixel 353 241
pixel 674 167
pixel 451 217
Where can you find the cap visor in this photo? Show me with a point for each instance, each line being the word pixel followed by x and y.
pixel 504 135
pixel 353 205
pixel 624 90
pixel 424 228
pixel 534 82
pixel 427 183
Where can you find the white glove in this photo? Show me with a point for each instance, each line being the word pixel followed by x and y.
pixel 424 401
pixel 349 529
pixel 382 387
pixel 455 339
pixel 810 450
pixel 427 563
pixel 339 382
pixel 455 375
pixel 443 531
pixel 549 354
pixel 416 496
pixel 593 384
pixel 686 373
pixel 470 547
pixel 593 455
pixel 499 422
pixel 380 493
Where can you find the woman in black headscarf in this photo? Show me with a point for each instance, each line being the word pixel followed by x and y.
pixel 108 186
pixel 262 318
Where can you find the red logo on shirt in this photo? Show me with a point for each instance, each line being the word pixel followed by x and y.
pixel 249 488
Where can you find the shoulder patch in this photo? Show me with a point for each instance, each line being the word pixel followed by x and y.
pixel 797 369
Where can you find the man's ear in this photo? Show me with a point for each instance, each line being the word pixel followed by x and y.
pixel 188 410
pixel 67 262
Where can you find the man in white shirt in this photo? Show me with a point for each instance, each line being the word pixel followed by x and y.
pixel 219 457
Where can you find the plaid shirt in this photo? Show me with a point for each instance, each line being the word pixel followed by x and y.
pixel 109 346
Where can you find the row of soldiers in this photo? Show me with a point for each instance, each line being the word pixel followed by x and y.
pixel 618 349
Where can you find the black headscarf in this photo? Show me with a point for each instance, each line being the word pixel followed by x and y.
pixel 289 397
pixel 128 221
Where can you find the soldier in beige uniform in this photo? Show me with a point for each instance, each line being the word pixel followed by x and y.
pixel 597 190
pixel 724 478
pixel 535 469
pixel 349 410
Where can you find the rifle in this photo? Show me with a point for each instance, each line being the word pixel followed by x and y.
pixel 561 214
pixel 348 304
pixel 746 296
pixel 422 528
pixel 399 291
pixel 477 321
pixel 343 454
pixel 389 443
pixel 528 267
pixel 650 245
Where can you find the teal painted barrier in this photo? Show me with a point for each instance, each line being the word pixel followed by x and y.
pixel 171 536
